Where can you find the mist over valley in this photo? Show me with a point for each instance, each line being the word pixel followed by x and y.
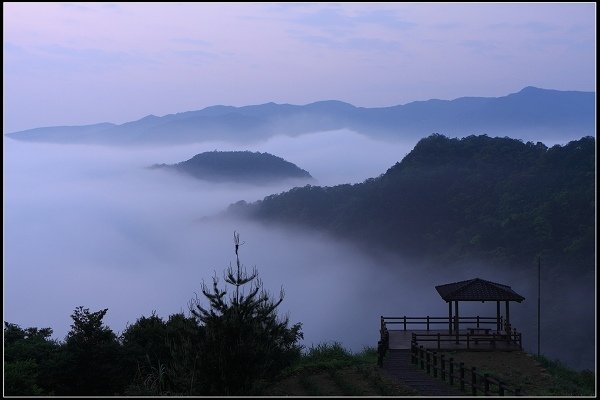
pixel 93 226
pixel 108 232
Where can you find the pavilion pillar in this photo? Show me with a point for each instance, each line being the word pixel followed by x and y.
pixel 507 318
pixel 450 318
pixel 456 316
pixel 498 327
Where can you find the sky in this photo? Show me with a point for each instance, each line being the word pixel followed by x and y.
pixel 85 63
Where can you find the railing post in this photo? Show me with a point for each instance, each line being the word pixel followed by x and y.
pixel 462 376
pixel 435 365
pixel 456 322
pixel 473 382
pixel 520 341
pixel 468 340
pixel 405 323
pixel 486 384
pixel 428 362
pixel 443 366
pixel 478 321
pixel 428 323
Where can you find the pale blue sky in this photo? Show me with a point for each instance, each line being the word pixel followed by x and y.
pixel 83 63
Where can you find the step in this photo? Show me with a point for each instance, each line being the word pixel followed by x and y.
pixel 397 364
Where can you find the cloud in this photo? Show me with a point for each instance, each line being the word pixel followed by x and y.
pixel 539 27
pixel 195 55
pixel 481 47
pixel 531 26
pixel 341 29
pixel 75 7
pixel 340 19
pixel 191 41
pixel 362 44
pixel 55 60
pixel 330 163
pixel 331 18
pixel 91 226
pixel 384 17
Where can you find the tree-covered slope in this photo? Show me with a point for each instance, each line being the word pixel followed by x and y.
pixel 238 166
pixel 496 199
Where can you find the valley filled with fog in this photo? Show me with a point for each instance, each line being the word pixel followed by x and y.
pixel 92 226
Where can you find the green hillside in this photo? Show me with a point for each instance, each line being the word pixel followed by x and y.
pixel 494 199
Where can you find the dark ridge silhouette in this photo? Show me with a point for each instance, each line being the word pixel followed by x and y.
pixel 531 114
pixel 239 166
pixel 494 199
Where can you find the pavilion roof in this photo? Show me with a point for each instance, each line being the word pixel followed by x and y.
pixel 477 290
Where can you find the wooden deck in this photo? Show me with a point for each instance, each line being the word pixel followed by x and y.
pixel 401 339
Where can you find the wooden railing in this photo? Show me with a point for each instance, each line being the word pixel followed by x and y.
pixel 456 373
pixel 428 321
pixel 506 335
pixel 513 337
pixel 383 344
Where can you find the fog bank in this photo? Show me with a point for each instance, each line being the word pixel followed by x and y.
pixel 91 226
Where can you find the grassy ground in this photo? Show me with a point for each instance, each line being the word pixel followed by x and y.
pixel 331 370
pixel 536 376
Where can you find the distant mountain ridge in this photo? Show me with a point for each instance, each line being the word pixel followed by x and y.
pixel 530 114
pixel 238 166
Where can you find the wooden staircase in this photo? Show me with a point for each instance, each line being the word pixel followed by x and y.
pixel 397 366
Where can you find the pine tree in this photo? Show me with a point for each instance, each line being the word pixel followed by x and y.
pixel 245 340
pixel 93 356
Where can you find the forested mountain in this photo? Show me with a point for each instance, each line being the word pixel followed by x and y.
pixel 497 199
pixel 238 166
pixel 531 114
